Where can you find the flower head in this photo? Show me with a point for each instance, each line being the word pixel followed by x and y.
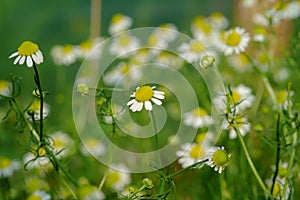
pixel 62 143
pixel 124 44
pixel 64 55
pixel 192 51
pixel 241 123
pixel 39 195
pixel 118 179
pixel 119 22
pixel 30 52
pixel 218 159
pixel 197 118
pixel 5 88
pixel 93 146
pixel 234 41
pixel 7 167
pixel 34 110
pixel 142 97
pixel 191 153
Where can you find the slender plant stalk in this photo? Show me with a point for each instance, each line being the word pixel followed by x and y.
pixel 156 138
pixel 41 95
pixel 95 26
pixel 258 178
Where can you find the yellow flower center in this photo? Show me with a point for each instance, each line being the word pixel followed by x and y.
pixel 236 97
pixel 124 41
pixel 113 178
pixel 199 112
pixel 197 152
pixel 280 6
pixel 117 18
pixel 86 45
pixel 4 85
pixel 4 163
pixel 125 69
pixel 59 143
pixel 200 23
pixel 27 48
pixel 41 152
pixel 233 39
pixel 67 48
pixel 276 190
pixel 221 158
pixel 217 15
pixel 92 143
pixel 35 106
pixel 281 96
pixel 153 40
pixel 34 197
pixel 144 93
pixel 197 47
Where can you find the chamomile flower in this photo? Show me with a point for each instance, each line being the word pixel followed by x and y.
pixel 119 22
pixel 218 159
pixel 5 88
pixel 201 29
pixel 118 177
pixel 39 195
pixel 218 21
pixel 234 41
pixel 190 154
pixel 123 45
pixel 259 34
pixel 64 55
pixel 92 146
pixel 282 170
pixel 240 63
pixel 85 49
pixel 241 95
pixel 169 59
pixel 283 98
pixel 192 51
pixel 242 124
pixel 156 43
pixel 30 52
pixel 62 143
pixel 83 89
pixel 197 118
pixel 36 159
pixel 143 97
pixel 7 167
pixel 278 189
pixel 34 183
pixel 167 32
pixel 33 111
pixel 89 192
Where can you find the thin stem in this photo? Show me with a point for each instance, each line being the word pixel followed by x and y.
pixel 102 181
pixel 41 95
pixel 258 178
pixel 277 153
pixel 95 26
pixel 156 137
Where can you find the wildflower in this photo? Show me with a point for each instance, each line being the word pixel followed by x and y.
pixel 34 110
pixel 197 118
pixel 281 74
pixel 218 21
pixel 190 154
pixel 259 34
pixel 278 189
pixel 36 158
pixel 118 177
pixel 5 88
pixel 192 51
pixel 62 143
pixel 156 43
pixel 119 22
pixel 30 52
pixel 167 32
pixel 218 159
pixel 207 61
pixel 92 146
pixel 283 97
pixel 7 167
pixel 240 63
pixel 248 3
pixel 170 60
pixel 89 192
pixel 83 89
pixel 282 170
pixel 123 45
pixel 142 97
pixel 85 48
pixel 242 124
pixel 33 184
pixel 201 29
pixel 234 41
pixel 64 55
pixel 39 195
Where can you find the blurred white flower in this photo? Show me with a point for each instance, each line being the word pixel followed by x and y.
pixel 118 177
pixel 33 112
pixel 123 45
pixel 40 195
pixel 64 55
pixel 92 146
pixel 119 22
pixel 5 88
pixel 192 51
pixel 218 159
pixel 242 124
pixel 197 118
pixel 218 21
pixel 62 142
pixel 190 154
pixel 7 167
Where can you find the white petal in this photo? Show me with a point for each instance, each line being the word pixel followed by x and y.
pixel 35 59
pixel 131 102
pixel 159 96
pixel 22 60
pixel 148 105
pixel 159 92
pixel 29 61
pixel 17 60
pixel 40 56
pixel 139 106
pixel 133 106
pixel 13 55
pixel 156 101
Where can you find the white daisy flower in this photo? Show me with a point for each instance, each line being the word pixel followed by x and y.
pixel 123 45
pixel 234 41
pixel 156 43
pixel 31 160
pixel 259 34
pixel 167 32
pixel 5 88
pixel 33 111
pixel 92 146
pixel 124 71
pixel 118 177
pixel 197 118
pixel 190 154
pixel 260 19
pixel 30 52
pixel 218 21
pixel 7 167
pixel 278 189
pixel 283 98
pixel 169 59
pixel 64 55
pixel 201 29
pixel 218 159
pixel 39 195
pixel 242 124
pixel 281 74
pixel 192 51
pixel 85 49
pixel 240 63
pixel 282 170
pixel 119 22
pixel 62 142
pixel 142 97
pixel 240 94
pixel 89 192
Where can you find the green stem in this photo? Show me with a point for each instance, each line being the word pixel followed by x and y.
pixel 156 138
pixel 95 28
pixel 258 178
pixel 41 95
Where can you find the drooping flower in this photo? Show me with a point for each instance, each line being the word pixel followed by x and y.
pixel 7 167
pixel 190 154
pixel 218 159
pixel 143 96
pixel 197 118
pixel 62 143
pixel 118 177
pixel 119 22
pixel 30 52
pixel 36 159
pixel 33 111
pixel 242 124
